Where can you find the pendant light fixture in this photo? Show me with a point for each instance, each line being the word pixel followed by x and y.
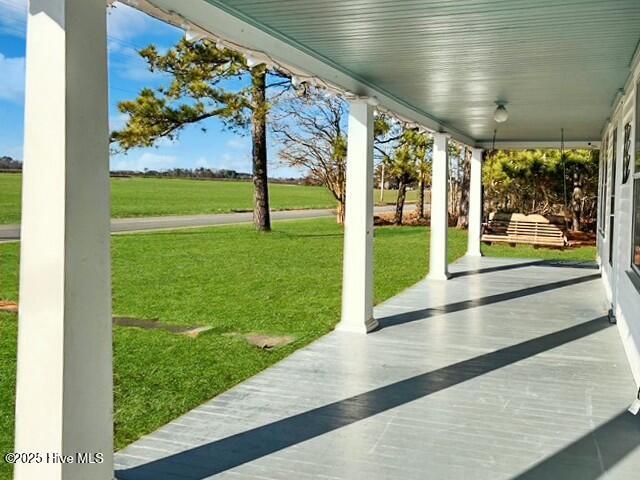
pixel 501 115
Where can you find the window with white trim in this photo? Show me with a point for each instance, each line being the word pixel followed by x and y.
pixel 604 175
pixel 612 200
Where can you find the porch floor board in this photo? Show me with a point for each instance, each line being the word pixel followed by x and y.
pixel 510 370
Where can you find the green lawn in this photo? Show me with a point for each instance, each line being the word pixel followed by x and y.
pixel 236 280
pixel 10 189
pixel 143 197
pixel 582 254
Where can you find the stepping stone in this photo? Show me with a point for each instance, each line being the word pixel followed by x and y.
pixel 263 341
pixel 192 332
pixel 267 342
pixel 10 307
pixel 145 324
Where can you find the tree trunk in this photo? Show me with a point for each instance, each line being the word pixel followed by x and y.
pixel 339 190
pixel 453 203
pixel 463 205
pixel 261 215
pixel 420 205
pixel 340 211
pixel 402 193
pixel 576 202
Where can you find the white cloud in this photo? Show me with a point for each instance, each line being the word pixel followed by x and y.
pixel 13 17
pixel 117 121
pixel 18 4
pixel 15 151
pixel 130 66
pixel 116 47
pixel 226 161
pixel 12 79
pixel 237 143
pixel 202 162
pixel 232 162
pixel 125 22
pixel 152 161
pixel 166 142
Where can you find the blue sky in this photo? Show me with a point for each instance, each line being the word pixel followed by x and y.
pixel 128 31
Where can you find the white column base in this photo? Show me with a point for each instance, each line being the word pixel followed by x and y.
pixel 474 254
pixel 438 276
pixel 358 327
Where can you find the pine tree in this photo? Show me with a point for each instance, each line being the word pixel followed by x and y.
pixel 199 89
pixel 405 164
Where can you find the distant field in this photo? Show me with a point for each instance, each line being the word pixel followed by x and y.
pixel 9 198
pixel 147 197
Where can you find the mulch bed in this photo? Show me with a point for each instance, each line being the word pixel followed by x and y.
pixel 409 218
pixel 581 239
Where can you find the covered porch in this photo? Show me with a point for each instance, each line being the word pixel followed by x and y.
pixel 510 370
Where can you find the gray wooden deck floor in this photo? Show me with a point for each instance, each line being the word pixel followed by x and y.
pixel 509 370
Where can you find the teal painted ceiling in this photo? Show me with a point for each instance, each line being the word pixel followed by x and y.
pixel 558 63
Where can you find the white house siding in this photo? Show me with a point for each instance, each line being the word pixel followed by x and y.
pixel 623 294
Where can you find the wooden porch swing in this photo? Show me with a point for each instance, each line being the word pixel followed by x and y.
pixel 534 229
pixel 517 228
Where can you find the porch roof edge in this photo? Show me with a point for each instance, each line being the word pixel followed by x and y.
pixel 219 21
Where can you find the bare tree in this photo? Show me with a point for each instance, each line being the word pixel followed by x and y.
pixel 310 129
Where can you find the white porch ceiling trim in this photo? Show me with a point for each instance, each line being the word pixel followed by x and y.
pixel 541 145
pixel 217 21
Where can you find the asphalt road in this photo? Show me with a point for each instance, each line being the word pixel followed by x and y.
pixel 11 233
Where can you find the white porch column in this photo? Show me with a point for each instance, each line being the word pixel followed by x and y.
pixel 475 204
pixel 64 379
pixel 357 279
pixel 438 265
